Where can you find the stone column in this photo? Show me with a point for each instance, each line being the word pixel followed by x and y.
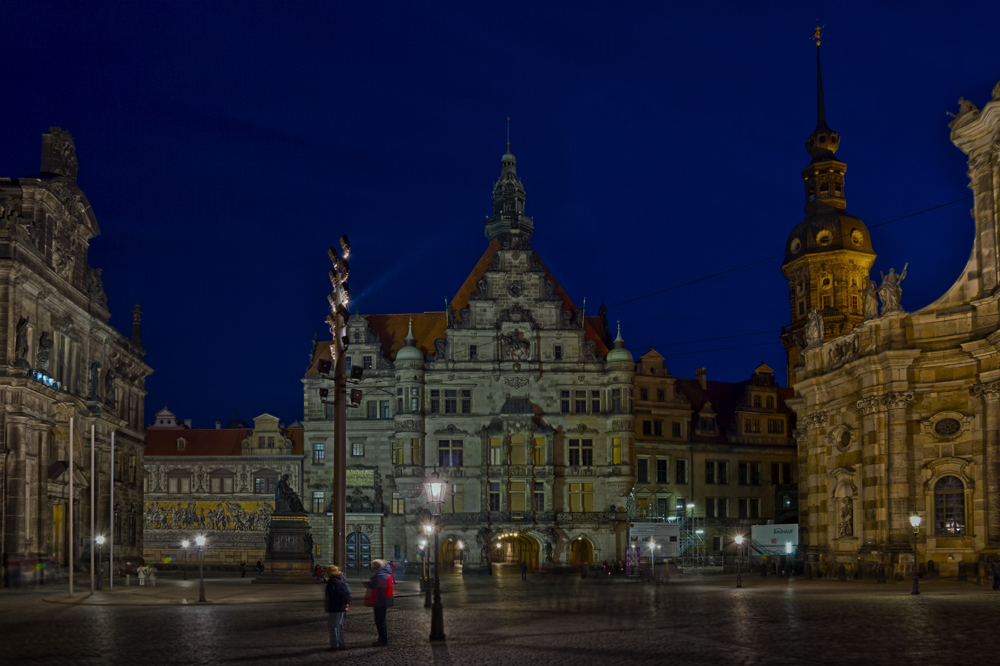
pixel 872 491
pixel 898 473
pixel 990 393
pixel 981 178
pixel 810 453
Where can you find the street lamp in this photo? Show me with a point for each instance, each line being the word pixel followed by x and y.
pixel 200 541
pixel 739 550
pixel 184 545
pixel 99 539
pixel 915 523
pixel 428 530
pixel 435 489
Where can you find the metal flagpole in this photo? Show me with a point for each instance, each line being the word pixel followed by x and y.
pixel 111 519
pixel 70 506
pixel 93 514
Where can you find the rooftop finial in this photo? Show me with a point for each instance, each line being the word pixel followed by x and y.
pixel 508 134
pixel 820 105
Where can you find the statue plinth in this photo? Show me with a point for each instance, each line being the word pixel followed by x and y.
pixel 289 550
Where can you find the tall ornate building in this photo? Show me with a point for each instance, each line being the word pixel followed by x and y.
pixel 62 359
pixel 514 394
pixel 828 254
pixel 218 482
pixel 902 412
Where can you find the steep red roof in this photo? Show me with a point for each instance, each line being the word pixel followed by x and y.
pixel 429 326
pixel 208 441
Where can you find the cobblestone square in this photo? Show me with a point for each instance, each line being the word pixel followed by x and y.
pixel 503 620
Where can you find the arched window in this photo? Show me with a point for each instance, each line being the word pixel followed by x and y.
pixel 770 402
pixel 949 506
pixel 756 401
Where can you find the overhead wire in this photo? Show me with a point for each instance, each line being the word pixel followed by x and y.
pixel 777 256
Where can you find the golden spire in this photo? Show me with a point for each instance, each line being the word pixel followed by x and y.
pixel 816 35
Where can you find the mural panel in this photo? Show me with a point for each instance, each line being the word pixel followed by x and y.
pixel 236 516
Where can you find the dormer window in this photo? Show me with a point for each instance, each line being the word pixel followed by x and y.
pixel 181 444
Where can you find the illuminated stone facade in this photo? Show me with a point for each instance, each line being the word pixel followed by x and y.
pixel 216 482
pixel 515 396
pixel 902 413
pixel 63 360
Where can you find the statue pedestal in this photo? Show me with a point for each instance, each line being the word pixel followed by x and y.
pixel 289 550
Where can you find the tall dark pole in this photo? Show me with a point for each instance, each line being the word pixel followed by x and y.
pixel 337 319
pixel 185 563
pixel 100 563
pixel 437 612
pixel 427 582
pixel 916 581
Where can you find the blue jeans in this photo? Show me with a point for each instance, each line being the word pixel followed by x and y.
pixel 336 621
pixel 383 633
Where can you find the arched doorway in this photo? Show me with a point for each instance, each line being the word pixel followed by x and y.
pixel 452 554
pixel 509 550
pixel 359 552
pixel 581 551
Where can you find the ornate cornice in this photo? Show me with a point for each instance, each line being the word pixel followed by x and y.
pixel 815 419
pixel 988 390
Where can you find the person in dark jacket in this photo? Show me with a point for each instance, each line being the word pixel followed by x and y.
pixel 243 569
pixel 382 583
pixel 338 598
pixel 996 574
pixel 260 568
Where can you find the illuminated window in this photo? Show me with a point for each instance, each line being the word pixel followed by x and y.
pixel 581 497
pixel 540 451
pixel 318 505
pixel 616 450
pixel 949 506
pixel 398 504
pixel 496 452
pixel 516 500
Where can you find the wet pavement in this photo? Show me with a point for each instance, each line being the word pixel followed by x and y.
pixel 502 620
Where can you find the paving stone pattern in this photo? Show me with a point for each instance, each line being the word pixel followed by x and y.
pixel 689 620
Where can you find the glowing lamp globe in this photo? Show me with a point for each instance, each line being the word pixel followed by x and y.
pixel 739 539
pixel 915 521
pixel 200 540
pixel 435 488
pixel 100 540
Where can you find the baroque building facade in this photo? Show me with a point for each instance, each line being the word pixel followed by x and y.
pixel 902 412
pixel 61 359
pixel 714 456
pixel 218 483
pixel 517 396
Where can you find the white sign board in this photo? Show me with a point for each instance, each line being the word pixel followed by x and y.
pixel 665 535
pixel 776 539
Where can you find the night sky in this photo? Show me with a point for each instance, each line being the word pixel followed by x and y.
pixel 225 146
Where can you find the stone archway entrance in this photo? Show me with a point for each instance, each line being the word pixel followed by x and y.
pixel 359 552
pixel 581 551
pixel 508 551
pixel 452 556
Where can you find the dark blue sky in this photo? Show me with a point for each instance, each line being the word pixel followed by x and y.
pixel 225 145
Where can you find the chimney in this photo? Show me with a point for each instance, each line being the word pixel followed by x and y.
pixel 187 423
pixel 701 374
pixel 137 325
pixel 218 425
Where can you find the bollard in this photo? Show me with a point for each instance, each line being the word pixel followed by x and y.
pixel 128 580
pixel 842 574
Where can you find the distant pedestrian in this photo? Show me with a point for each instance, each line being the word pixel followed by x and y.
pixel 151 574
pixel 607 569
pixel 243 569
pixel 524 570
pixel 381 584
pixel 260 568
pixel 142 576
pixel 338 598
pixel 996 574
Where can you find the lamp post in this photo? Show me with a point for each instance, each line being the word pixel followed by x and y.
pixel 428 530
pixel 184 546
pixel 915 523
pixel 435 489
pixel 200 541
pixel 99 539
pixel 423 561
pixel 739 551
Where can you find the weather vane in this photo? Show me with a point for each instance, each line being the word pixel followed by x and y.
pixel 508 134
pixel 815 34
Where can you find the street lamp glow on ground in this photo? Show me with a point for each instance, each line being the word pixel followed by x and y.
pixel 184 545
pixel 435 489
pixel 739 551
pixel 99 540
pixel 200 541
pixel 915 524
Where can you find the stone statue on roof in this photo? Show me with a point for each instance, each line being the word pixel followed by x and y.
pixel 890 292
pixel 870 304
pixel 814 328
